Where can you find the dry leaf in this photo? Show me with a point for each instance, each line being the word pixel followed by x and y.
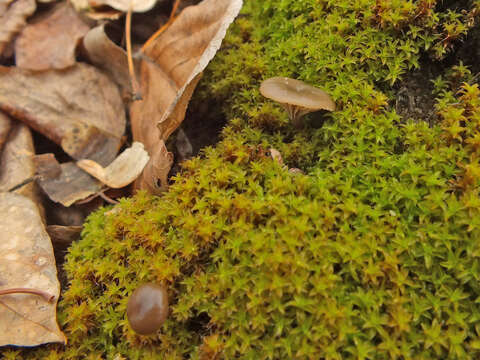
pixel 104 14
pixel 13 14
pixel 71 185
pixel 173 68
pixel 26 261
pixel 78 108
pixel 122 171
pixel 5 126
pixel 16 162
pixel 108 56
pixel 122 5
pixel 49 41
pixel 47 167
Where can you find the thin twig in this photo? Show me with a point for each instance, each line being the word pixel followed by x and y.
pixel 91 197
pixel 23 183
pixel 108 199
pixel 128 31
pixel 48 297
pixel 163 28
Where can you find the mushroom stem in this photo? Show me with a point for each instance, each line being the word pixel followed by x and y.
pixel 48 297
pixel 295 113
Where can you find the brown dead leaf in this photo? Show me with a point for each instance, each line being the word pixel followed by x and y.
pixel 13 14
pixel 155 175
pixel 78 108
pixel 122 171
pixel 71 185
pixel 171 71
pixel 16 162
pixel 49 41
pixel 108 56
pixel 26 261
pixel 47 167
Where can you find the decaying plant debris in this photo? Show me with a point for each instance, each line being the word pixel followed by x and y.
pixel 71 83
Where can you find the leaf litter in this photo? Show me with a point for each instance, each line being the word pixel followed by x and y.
pixel 50 40
pixel 72 83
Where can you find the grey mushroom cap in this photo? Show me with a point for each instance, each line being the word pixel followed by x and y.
pixel 297 97
pixel 296 93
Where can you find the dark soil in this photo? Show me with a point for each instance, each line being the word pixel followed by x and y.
pixel 414 96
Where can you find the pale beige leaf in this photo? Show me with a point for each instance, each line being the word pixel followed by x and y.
pixel 108 56
pixel 26 261
pixel 13 14
pixel 122 5
pixel 122 171
pixel 104 14
pixel 50 39
pixel 173 68
pixel 78 108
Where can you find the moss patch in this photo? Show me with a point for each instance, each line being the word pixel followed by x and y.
pixel 373 253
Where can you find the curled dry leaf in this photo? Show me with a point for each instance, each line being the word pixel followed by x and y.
pixel 172 69
pixel 78 108
pixel 26 261
pixel 49 41
pixel 16 162
pixel 13 14
pixel 108 56
pixel 122 171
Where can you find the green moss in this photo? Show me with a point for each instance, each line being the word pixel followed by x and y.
pixel 373 253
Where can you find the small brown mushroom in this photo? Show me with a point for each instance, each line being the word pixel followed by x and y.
pixel 147 308
pixel 297 97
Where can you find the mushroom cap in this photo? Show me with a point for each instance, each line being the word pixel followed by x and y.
pixel 147 308
pixel 295 92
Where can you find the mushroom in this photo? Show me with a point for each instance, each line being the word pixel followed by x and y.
pixel 297 97
pixel 147 308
